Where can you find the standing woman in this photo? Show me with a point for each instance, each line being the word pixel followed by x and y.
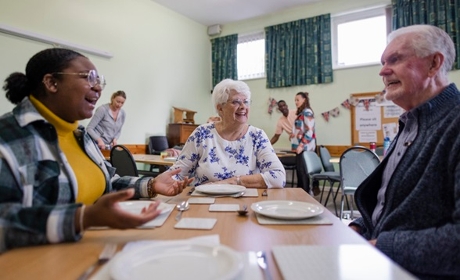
pixel 304 138
pixel 105 126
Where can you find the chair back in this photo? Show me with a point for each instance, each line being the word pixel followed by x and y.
pixel 157 144
pixel 312 162
pixel 123 161
pixel 356 164
pixel 325 159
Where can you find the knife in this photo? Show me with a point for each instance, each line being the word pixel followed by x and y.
pixel 262 262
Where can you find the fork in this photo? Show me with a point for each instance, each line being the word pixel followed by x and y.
pixel 262 262
pixel 107 253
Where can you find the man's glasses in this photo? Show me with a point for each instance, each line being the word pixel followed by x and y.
pixel 238 102
pixel 93 78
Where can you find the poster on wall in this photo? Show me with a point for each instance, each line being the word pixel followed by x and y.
pixel 367 136
pixel 392 111
pixel 368 117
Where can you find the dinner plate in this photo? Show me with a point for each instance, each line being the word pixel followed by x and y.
pixel 177 260
pixel 135 206
pixel 220 188
pixel 286 209
pixel 170 159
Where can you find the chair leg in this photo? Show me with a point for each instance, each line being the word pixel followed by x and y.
pixel 341 207
pixel 322 192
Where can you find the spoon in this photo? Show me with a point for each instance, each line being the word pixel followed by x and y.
pixel 235 195
pixel 243 211
pixel 183 206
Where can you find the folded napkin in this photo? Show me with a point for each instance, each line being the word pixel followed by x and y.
pixel 318 220
pixel 251 270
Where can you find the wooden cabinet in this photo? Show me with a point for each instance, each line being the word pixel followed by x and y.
pixel 178 133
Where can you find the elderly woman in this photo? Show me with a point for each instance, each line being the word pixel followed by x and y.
pixel 51 169
pixel 231 151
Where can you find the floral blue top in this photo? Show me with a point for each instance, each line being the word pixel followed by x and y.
pixel 208 158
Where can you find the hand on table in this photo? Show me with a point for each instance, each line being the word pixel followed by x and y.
pixel 166 185
pixel 106 212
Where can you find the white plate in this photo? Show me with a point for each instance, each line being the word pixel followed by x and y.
pixel 135 206
pixel 177 260
pixel 170 159
pixel 220 188
pixel 286 209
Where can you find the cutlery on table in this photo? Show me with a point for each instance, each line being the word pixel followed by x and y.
pixel 107 253
pixel 191 191
pixel 264 193
pixel 183 206
pixel 262 262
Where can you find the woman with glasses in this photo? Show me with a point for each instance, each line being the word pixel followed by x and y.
pixel 55 182
pixel 231 151
pixel 106 123
pixel 303 138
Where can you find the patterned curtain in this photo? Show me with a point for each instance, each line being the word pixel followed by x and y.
pixel 224 63
pixel 299 52
pixel 444 14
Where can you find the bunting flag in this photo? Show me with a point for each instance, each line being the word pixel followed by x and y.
pixel 367 103
pixel 354 101
pixel 379 98
pixel 271 104
pixel 326 116
pixel 335 112
pixel 346 104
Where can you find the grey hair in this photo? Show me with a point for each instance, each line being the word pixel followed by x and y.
pixel 221 91
pixel 426 40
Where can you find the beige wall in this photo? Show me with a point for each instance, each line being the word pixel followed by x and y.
pixel 162 59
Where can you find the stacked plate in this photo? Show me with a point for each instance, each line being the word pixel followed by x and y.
pixel 286 209
pixel 177 260
pixel 220 189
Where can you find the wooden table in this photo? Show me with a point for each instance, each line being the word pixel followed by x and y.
pixel 68 261
pixel 151 159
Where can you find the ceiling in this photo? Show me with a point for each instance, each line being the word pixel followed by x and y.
pixel 211 12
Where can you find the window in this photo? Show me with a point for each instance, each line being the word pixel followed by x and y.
pixel 251 56
pixel 359 38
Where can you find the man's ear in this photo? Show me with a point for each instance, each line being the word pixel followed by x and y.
pixel 50 83
pixel 436 63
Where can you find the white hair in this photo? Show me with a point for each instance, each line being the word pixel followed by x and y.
pixel 426 40
pixel 221 91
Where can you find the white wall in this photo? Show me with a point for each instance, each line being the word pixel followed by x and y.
pixel 323 97
pixel 161 59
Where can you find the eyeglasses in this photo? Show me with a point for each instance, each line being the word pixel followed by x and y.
pixel 238 102
pixel 93 78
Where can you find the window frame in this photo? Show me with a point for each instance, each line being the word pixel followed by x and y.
pixel 248 37
pixel 355 16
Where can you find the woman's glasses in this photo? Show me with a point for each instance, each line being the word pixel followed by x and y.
pixel 93 78
pixel 239 102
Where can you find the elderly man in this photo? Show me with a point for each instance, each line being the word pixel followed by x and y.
pixel 285 122
pixel 410 204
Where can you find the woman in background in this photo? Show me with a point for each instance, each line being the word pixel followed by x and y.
pixel 303 138
pixel 231 151
pixel 105 126
pixel 51 169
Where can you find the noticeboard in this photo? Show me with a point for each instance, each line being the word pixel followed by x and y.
pixel 372 119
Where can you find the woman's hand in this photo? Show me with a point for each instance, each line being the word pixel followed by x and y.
pixel 166 185
pixel 106 212
pixel 299 149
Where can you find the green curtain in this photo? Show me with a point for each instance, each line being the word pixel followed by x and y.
pixel 444 14
pixel 224 63
pixel 299 52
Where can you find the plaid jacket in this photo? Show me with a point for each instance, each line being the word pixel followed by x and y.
pixel 37 185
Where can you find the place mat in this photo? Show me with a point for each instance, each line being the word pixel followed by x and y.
pixel 224 207
pixel 335 262
pixel 201 200
pixel 247 192
pixel 196 223
pixel 318 220
pixel 250 271
pixel 157 222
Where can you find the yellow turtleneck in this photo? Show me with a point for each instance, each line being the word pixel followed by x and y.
pixel 90 178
